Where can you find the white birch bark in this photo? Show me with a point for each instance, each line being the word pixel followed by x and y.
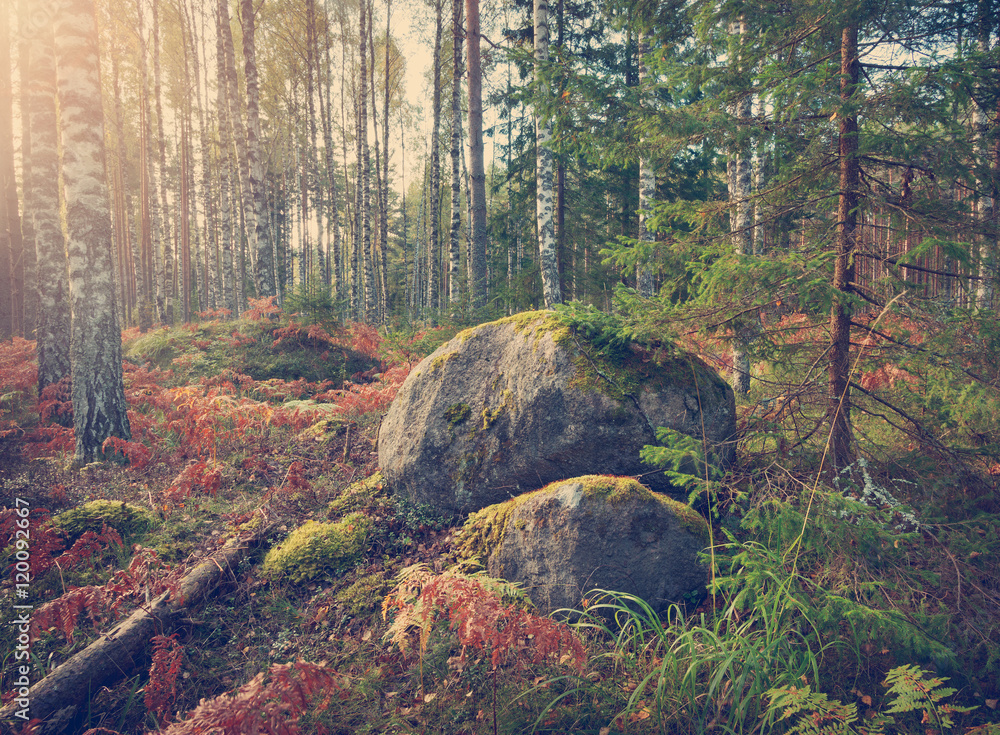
pixel 988 240
pixel 647 186
pixel 224 168
pixel 99 409
pixel 740 174
pixel 264 260
pixel 42 174
pixel 545 165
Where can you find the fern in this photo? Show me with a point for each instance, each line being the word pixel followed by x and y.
pixel 271 708
pixel 914 690
pixel 911 689
pixel 161 691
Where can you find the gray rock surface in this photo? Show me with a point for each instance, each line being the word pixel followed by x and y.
pixel 594 532
pixel 509 406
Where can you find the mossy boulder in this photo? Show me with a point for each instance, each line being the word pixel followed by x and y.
pixel 511 405
pixel 130 521
pixel 315 550
pixel 592 532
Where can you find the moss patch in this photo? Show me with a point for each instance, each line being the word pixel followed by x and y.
pixel 457 413
pixel 484 530
pixel 364 597
pixel 316 549
pixel 356 496
pixel 131 521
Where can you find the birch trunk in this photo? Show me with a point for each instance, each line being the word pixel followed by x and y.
pixel 228 300
pixel 99 408
pixel 434 201
pixel 988 242
pixel 545 165
pixel 740 176
pixel 165 262
pixel 364 167
pixel 477 170
pixel 647 190
pixel 244 200
pixel 264 260
pixel 42 171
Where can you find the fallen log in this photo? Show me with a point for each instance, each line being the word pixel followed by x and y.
pixel 58 699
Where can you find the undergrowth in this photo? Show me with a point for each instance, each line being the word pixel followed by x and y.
pixel 864 601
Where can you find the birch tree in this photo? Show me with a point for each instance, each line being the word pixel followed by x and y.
pixel 477 171
pixel 647 187
pixel 545 164
pixel 41 173
pixel 99 408
pixel 264 261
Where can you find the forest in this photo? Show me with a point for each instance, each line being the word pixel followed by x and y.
pixel 229 231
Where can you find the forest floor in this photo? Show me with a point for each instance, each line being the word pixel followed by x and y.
pixel 830 610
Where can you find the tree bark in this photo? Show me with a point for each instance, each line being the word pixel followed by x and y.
pixel 264 261
pixel 10 226
pixel 455 250
pixel 839 398
pixel 647 189
pixel 477 171
pixel 42 171
pixel 545 165
pixel 740 174
pixel 224 170
pixel 99 408
pixel 434 201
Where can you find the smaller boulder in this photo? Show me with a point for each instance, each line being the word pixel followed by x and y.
pixel 592 532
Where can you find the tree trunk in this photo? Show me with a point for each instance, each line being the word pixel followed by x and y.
pixel 99 409
pixel 647 190
pixel 244 202
pixel 42 171
pixel 477 171
pixel 740 175
pixel 165 260
pixel 455 251
pixel 545 165
pixel 29 256
pixel 988 241
pixel 841 441
pixel 434 201
pixel 8 295
pixel 364 168
pixel 264 261
pixel 223 173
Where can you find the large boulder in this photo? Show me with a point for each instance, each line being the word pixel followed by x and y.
pixel 512 405
pixel 595 532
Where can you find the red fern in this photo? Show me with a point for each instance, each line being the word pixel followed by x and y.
pixel 271 708
pixel 480 619
pixel 64 611
pixel 161 690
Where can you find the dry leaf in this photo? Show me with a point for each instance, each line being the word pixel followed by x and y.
pixel 430 697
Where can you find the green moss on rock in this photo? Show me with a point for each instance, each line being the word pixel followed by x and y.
pixel 484 530
pixel 457 413
pixel 317 549
pixel 131 521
